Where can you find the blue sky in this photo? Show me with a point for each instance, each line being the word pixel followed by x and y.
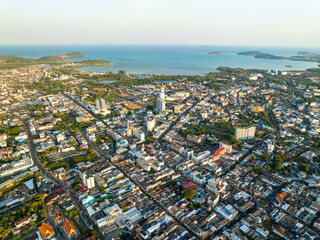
pixel 210 22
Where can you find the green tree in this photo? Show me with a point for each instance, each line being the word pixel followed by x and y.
pixel 15 130
pixel 189 194
pixel 277 166
pixel 265 156
pixel 102 189
pixel 304 168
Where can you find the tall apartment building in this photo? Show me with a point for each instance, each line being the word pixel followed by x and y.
pixel 245 133
pixel 100 104
pixel 129 129
pixel 140 135
pixel 87 180
pixel 161 102
pixel 151 123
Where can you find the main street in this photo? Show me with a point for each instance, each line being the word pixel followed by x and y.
pixel 51 221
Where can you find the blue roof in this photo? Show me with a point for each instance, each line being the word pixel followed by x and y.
pixel 208 177
pixel 225 211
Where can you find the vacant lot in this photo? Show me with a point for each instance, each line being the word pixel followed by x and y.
pixel 134 106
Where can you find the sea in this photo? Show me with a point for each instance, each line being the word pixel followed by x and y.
pixel 168 59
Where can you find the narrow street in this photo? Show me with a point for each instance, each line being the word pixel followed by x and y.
pixel 64 186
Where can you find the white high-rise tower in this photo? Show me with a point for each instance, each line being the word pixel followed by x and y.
pixel 161 101
pixel 87 180
pixel 100 104
pixel 245 133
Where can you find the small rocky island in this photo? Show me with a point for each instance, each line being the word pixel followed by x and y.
pixel 214 53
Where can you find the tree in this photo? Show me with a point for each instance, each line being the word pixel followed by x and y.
pixel 150 139
pixel 102 189
pixel 304 168
pixel 15 130
pixel 257 169
pixel 190 205
pixel 150 107
pixel 121 72
pixel 267 224
pixel 74 184
pixel 265 156
pixel 58 115
pixel 277 166
pixel 189 194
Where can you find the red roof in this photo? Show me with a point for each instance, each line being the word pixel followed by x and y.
pixel 218 152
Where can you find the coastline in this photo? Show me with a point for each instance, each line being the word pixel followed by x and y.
pixel 168 60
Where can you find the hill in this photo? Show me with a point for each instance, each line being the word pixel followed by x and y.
pixel 11 61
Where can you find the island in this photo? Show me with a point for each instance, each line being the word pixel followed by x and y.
pixel 258 54
pixel 214 53
pixel 306 56
pixel 11 61
pixel 61 56
pixel 301 56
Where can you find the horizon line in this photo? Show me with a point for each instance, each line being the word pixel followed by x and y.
pixel 154 44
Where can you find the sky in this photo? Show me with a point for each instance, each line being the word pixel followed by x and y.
pixel 206 22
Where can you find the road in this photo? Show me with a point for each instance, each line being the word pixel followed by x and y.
pixel 64 186
pixel 102 155
pixel 229 224
pixel 160 141
pixel 241 215
pixel 51 221
pixel 274 121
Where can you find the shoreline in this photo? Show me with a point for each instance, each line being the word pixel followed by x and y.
pixel 167 60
